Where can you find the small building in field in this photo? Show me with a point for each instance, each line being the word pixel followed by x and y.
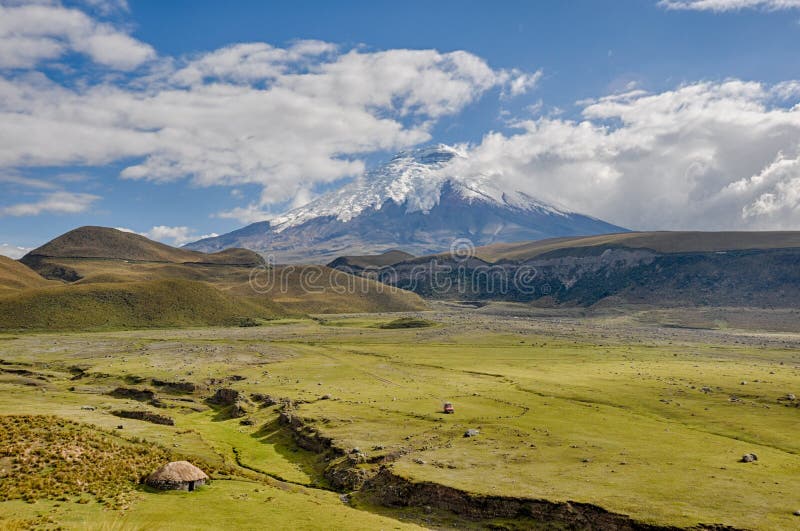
pixel 178 475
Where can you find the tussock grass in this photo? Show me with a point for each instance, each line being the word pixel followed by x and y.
pixel 47 457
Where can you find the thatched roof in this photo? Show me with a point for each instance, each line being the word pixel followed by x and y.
pixel 177 472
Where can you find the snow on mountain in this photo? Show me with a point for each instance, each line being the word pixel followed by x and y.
pixel 414 179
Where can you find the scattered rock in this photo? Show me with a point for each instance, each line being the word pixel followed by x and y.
pixel 472 432
pixel 88 408
pixel 325 397
pixel 175 387
pixel 247 422
pixel 141 395
pixel 145 416
pixel 226 397
pixel 749 458
pixel 706 390
pixel 237 410
pixel 419 461
pixel 797 512
pixel 265 400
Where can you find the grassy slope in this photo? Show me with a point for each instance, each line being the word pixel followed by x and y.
pixel 154 303
pixel 666 242
pixel 16 276
pixel 318 289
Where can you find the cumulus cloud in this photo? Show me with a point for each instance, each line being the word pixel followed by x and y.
pixel 53 203
pixel 287 119
pixel 13 251
pixel 176 236
pixel 32 33
pixel 729 5
pixel 702 156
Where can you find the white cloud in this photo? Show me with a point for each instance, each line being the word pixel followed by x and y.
pixel 247 214
pixel 521 83
pixel 53 203
pixel 35 32
pixel 703 156
pixel 286 119
pixel 13 251
pixel 25 182
pixel 729 5
pixel 176 236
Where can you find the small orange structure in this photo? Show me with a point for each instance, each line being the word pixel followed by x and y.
pixel 448 408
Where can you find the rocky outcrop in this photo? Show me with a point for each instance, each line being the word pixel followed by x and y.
pixel 226 397
pixel 175 387
pixel 390 489
pixel 145 416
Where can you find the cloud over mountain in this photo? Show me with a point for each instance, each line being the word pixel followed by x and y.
pixel 705 155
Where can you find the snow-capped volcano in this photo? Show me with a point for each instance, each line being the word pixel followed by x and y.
pixel 413 179
pixel 416 202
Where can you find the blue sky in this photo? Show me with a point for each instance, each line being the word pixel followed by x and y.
pixel 151 116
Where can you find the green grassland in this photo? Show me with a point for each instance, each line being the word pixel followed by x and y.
pixel 636 418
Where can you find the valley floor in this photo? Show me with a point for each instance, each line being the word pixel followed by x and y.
pixel 641 413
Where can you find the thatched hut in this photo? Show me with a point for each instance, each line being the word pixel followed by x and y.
pixel 178 475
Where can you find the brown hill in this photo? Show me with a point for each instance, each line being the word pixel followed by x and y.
pixel 107 243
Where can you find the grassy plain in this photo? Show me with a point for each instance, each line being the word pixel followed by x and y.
pixel 613 410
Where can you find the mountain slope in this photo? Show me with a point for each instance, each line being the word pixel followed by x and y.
pixel 415 202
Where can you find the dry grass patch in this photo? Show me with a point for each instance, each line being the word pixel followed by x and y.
pixel 47 457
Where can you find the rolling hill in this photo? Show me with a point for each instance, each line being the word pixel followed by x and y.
pixel 104 278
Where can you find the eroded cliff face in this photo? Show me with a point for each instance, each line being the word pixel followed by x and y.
pixel 373 481
pixel 755 278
